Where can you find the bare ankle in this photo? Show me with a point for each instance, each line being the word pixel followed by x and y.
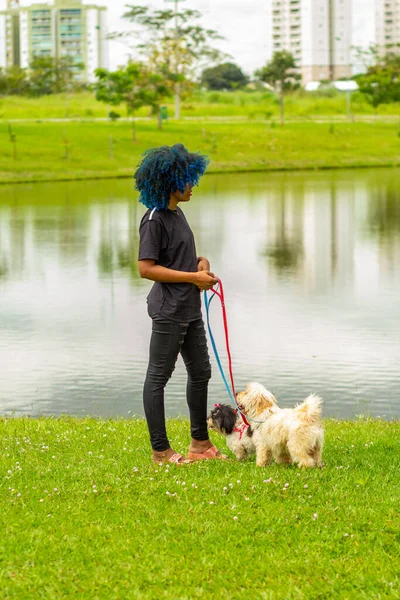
pixel 200 444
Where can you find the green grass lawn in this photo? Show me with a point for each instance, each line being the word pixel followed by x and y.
pixel 85 514
pixel 82 150
pixel 252 105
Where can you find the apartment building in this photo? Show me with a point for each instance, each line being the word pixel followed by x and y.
pixel 388 25
pixel 60 28
pixel 318 34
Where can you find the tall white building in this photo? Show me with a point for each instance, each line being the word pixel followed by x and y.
pixel 318 33
pixel 388 25
pixel 58 28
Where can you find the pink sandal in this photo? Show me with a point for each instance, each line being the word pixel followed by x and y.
pixel 175 459
pixel 209 454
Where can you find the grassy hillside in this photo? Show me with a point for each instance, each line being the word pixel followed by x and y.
pixel 82 150
pixel 252 105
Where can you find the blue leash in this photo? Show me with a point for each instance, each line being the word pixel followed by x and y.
pixel 207 303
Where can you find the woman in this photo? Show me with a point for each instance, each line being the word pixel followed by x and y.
pixel 167 256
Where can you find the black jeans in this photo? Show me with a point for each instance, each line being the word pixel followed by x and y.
pixel 168 339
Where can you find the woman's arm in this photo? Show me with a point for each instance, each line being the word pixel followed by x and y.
pixel 148 269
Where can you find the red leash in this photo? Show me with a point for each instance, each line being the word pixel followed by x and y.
pixel 221 296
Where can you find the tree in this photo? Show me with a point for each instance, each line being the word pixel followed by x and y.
pixel 174 42
pixel 48 75
pixel 381 83
pixel 226 76
pixel 281 73
pixel 45 75
pixel 133 85
pixel 13 82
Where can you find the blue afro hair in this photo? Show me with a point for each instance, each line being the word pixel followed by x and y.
pixel 165 170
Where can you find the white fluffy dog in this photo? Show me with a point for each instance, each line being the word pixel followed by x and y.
pixel 290 435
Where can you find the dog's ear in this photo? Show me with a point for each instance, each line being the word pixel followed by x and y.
pixel 224 417
pixel 257 399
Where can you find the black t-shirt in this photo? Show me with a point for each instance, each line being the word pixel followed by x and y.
pixel 165 236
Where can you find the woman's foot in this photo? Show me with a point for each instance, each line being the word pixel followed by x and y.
pixel 204 450
pixel 169 457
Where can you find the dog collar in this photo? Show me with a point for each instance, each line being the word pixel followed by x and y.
pixel 241 429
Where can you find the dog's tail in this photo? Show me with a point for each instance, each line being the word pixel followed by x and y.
pixel 310 410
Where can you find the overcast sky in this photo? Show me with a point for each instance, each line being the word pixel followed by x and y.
pixel 244 23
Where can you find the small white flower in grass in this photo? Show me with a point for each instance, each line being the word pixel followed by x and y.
pixel 231 485
pixel 211 502
pixel 286 485
pixel 68 467
pixel 167 493
pixel 235 518
pixel 268 480
pixel 151 478
pixel 55 490
pixel 298 474
pixel 253 487
pixel 183 482
pixel 90 453
pixel 346 535
pixel 247 499
pixel 9 471
pixel 135 469
pixel 225 489
pixel 41 500
pixel 95 491
pixel 49 515
pixel 305 486
pixel 366 445
pixel 315 516
pixel 18 495
pixel 238 481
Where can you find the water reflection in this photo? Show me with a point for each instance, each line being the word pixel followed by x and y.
pixel 285 240
pixel 310 262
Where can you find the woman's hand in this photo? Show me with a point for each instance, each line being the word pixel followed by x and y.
pixel 204 280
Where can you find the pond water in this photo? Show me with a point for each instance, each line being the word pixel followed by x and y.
pixel 310 264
